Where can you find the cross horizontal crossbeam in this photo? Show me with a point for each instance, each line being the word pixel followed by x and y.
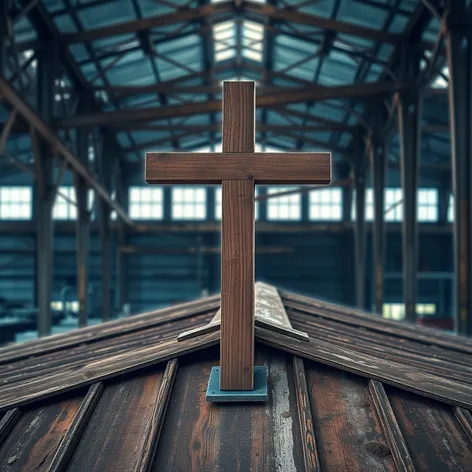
pixel 262 168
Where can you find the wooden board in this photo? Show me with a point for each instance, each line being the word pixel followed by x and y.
pixel 70 378
pixel 122 418
pixel 264 168
pixel 237 286
pixel 400 375
pixel 348 432
pixel 435 439
pixel 351 316
pixel 201 436
pixel 106 330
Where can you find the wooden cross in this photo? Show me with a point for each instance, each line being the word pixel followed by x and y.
pixel 238 168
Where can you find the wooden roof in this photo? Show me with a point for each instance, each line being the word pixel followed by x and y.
pixel 362 394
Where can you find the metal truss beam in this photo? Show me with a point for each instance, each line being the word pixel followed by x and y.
pixel 47 134
pixel 409 128
pixel 360 228
pixel 377 151
pixel 225 9
pixel 459 53
pixel 284 97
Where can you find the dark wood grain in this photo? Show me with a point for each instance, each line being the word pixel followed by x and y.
pixel 399 375
pixel 392 432
pixel 239 116
pixel 108 329
pixel 351 316
pixel 155 426
pixel 34 439
pixel 369 343
pixel 237 437
pixel 116 433
pixel 22 393
pixel 349 436
pixel 435 439
pixel 8 422
pixel 237 286
pixel 465 419
pixel 71 439
pixel 263 168
pixel 50 363
pixel 310 450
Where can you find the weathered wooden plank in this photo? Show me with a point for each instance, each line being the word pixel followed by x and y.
pixel 263 323
pixel 348 432
pixel 8 422
pixel 71 439
pixel 239 116
pixel 310 450
pixel 117 432
pixel 392 432
pixel 462 361
pixel 465 419
pixel 108 329
pixel 367 343
pixel 392 373
pixel 25 392
pixel 33 440
pixel 59 360
pixel 355 317
pixel 269 313
pixel 263 168
pixel 237 286
pixel 435 439
pixel 155 426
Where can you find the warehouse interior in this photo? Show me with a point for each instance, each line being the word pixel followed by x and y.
pixel 88 87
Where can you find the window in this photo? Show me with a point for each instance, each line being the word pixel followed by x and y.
pixel 396 311
pixel 326 204
pixel 224 35
pixel 218 204
pixel 146 203
pixel 189 203
pixel 427 204
pixel 369 205
pixel 65 205
pixel 450 209
pixel 285 207
pixel 252 40
pixel 393 204
pixel 15 203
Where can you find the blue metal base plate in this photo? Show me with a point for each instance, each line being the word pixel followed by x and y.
pixel 259 394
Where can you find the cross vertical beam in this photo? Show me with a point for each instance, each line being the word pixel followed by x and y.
pixel 237 244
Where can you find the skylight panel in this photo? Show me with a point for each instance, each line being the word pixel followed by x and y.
pixel 441 82
pixel 224 35
pixel 253 36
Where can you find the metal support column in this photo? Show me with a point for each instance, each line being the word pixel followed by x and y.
pixel 45 195
pixel 82 225
pixel 359 231
pixel 106 170
pixel 458 25
pixel 378 160
pixel 409 128
pixel 4 12
pixel 348 192
pixel 122 240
